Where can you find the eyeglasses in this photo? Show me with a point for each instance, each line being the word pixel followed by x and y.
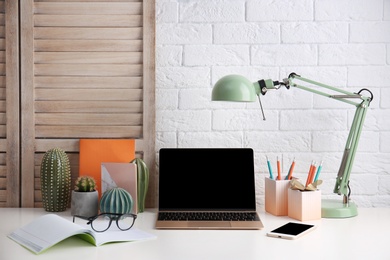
pixel 102 222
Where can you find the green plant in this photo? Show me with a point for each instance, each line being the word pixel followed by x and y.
pixel 85 184
pixel 55 180
pixel 142 182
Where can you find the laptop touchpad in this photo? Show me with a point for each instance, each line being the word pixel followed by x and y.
pixel 208 224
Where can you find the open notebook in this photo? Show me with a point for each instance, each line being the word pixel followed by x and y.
pixel 207 188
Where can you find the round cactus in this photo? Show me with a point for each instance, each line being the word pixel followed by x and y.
pixel 55 180
pixel 85 184
pixel 142 182
pixel 116 200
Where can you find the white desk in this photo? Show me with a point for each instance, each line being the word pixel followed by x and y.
pixel 363 237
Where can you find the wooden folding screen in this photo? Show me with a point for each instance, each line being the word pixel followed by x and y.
pixel 86 71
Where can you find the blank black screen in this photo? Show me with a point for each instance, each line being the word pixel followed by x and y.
pixel 292 228
pixel 206 179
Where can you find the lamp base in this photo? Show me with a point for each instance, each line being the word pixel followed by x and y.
pixel 337 209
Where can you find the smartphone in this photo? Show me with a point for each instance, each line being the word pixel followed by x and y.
pixel 291 230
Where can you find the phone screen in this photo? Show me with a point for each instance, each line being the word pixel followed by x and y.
pixel 293 229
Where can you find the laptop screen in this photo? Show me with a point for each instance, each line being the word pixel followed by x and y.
pixel 206 179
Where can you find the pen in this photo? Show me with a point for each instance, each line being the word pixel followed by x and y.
pixel 278 164
pixel 290 171
pixel 318 172
pixel 270 169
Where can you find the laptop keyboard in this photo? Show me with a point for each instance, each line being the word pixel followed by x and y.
pixel 208 216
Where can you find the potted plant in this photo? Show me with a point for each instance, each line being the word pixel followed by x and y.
pixel 85 197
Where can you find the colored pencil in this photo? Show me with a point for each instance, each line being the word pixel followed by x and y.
pixel 290 171
pixel 313 171
pixel 309 174
pixel 318 172
pixel 271 176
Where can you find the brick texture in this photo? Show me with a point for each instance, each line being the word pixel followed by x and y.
pixel 345 44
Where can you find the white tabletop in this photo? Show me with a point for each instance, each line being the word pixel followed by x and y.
pixel 363 237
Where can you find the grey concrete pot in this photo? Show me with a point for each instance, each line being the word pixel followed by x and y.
pixel 85 204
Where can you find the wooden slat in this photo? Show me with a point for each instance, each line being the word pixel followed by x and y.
pixel 88 57
pixel 88 94
pixel 2 44
pixel 3 198
pixel 2 56
pixel 12 127
pixel 2 68
pixel 88 20
pixel 88 70
pixel 88 106
pixel 80 8
pixel 69 145
pixel 3 93
pixel 3 174
pixel 27 104
pixel 88 45
pixel 88 82
pixel 37 204
pixel 149 138
pixel 37 180
pixel 3 149
pixel 96 119
pixel 88 33
pixel 3 131
pixel 87 0
pixel 3 182
pixel 88 131
pixel 2 81
pixel 3 119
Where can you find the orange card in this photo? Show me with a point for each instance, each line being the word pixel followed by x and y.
pixel 95 151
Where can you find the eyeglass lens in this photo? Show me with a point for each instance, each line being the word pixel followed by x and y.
pixel 104 221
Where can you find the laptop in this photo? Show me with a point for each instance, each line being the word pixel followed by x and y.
pixel 207 188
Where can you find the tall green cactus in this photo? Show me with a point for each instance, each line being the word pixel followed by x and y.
pixel 55 180
pixel 142 182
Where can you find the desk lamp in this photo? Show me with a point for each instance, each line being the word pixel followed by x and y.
pixel 239 89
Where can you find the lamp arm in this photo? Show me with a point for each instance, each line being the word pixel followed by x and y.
pixel 342 181
pixel 344 97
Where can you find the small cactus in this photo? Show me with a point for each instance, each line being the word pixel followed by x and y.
pixel 55 180
pixel 85 184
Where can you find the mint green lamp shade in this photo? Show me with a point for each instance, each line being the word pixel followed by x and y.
pixel 234 88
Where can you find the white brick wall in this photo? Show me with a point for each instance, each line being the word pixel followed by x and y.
pixel 343 43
